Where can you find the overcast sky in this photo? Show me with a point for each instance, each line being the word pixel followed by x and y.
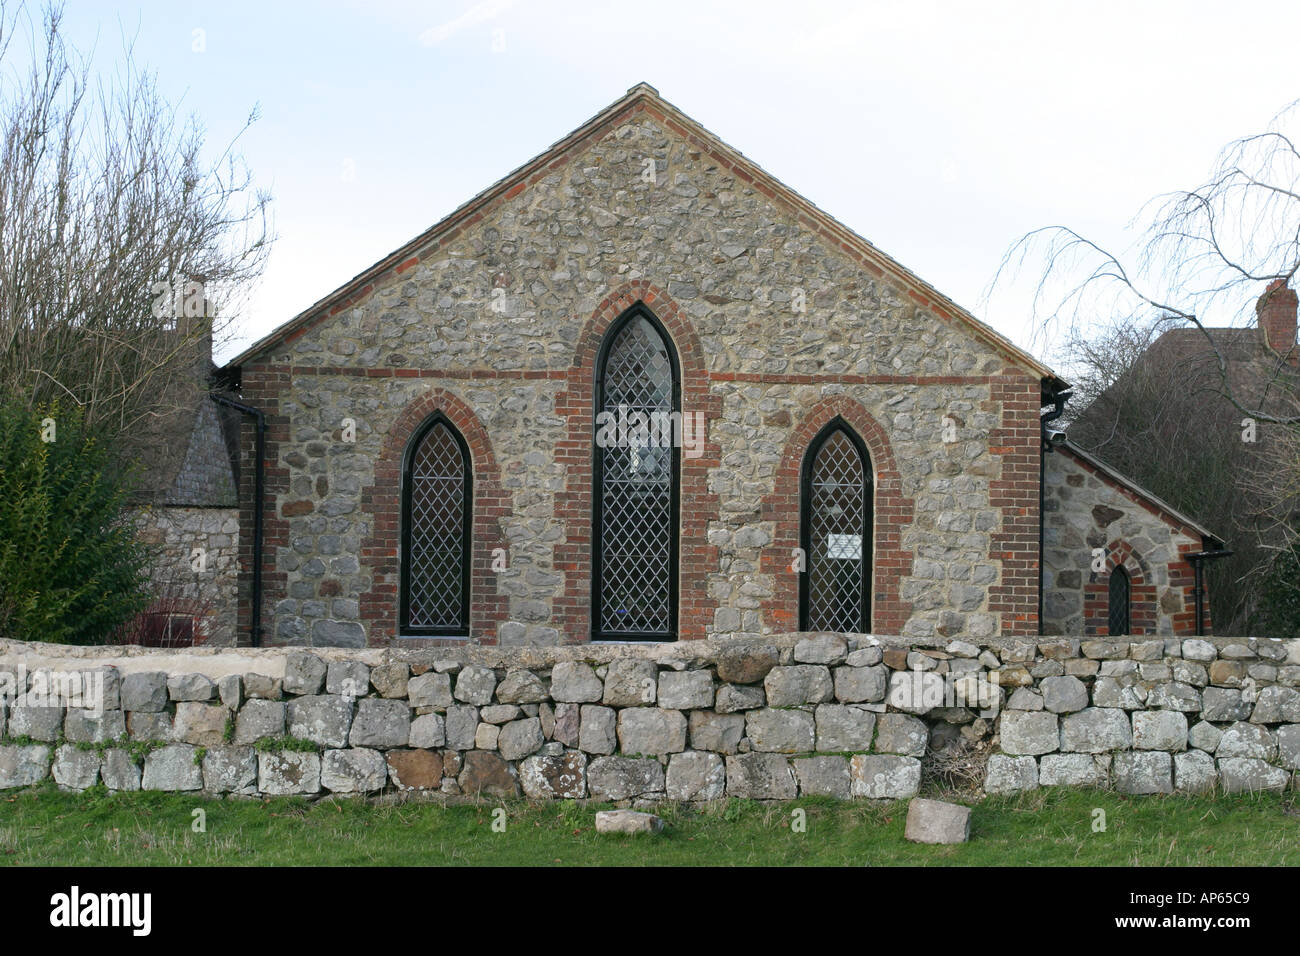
pixel 939 131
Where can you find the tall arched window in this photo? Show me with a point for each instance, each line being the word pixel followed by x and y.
pixel 835 589
pixel 634 540
pixel 437 491
pixel 1120 591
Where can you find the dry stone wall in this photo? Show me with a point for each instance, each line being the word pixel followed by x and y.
pixel 802 714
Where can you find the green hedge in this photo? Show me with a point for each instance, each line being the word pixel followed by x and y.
pixel 71 569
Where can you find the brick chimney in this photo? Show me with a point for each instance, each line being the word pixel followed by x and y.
pixel 1276 311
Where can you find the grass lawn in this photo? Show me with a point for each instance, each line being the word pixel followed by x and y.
pixel 1048 827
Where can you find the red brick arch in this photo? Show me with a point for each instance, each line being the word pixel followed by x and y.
pixel 892 512
pixel 381 503
pixel 1143 611
pixel 573 506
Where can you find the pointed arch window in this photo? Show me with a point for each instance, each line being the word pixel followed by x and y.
pixel 437 491
pixel 635 501
pixel 1121 587
pixel 835 588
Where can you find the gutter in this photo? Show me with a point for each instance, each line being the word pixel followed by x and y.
pixel 259 482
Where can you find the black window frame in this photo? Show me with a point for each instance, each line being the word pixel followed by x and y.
pixel 461 628
pixel 1119 574
pixel 837 424
pixel 637 311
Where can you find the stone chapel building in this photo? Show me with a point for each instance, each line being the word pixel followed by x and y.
pixel 639 390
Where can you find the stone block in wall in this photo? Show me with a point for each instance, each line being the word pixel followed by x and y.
pixel 568 724
pixel 145 691
pixel 1194 772
pixel 1081 667
pixel 1159 730
pixel 486 736
pixel 843 727
pixel 823 776
pixel 714 732
pixel 120 771
pixel 686 690
pixel 87 727
pixel 1074 770
pixel 1190 673
pixel 798 684
pixel 230 689
pixel 259 718
pixel 598 731
pixel 734 698
pixel 355 770
pixel 651 730
pixel 1174 695
pixel 475 685
pixel 917 692
pixel 761 776
pixel 1114 692
pixel 1104 650
pixel 1195 649
pixel 1025 699
pixel 1204 736
pixel 74 768
pixel 324 719
pixel 1227 673
pixel 347 678
pixel 381 723
pixel 1030 732
pixel 856 685
pixel 1288 746
pixel 414 769
pixel 191 687
pixel 884 777
pixel 1224 704
pixel 696 775
pixel 821 649
pixel 1147 650
pixel 630 683
pixel 230 770
pixel 521 686
pixel 1247 740
pixel 1064 695
pixel 1096 730
pixel 38 723
pixel 576 683
pixel 428 731
pixel 288 772
pixel 868 656
pixel 203 725
pixel 262 687
pixel 1250 775
pixel 1144 771
pixel 149 727
pixel 781 731
pixel 172 768
pixel 552 776
pixel 1277 705
pixel 430 690
pixel 22 766
pixel 746 663
pixel 624 778
pixel 901 734
pixel 304 674
pixel 520 738
pixel 391 680
pixel 486 774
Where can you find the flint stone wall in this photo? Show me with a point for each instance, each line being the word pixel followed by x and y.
pixel 800 714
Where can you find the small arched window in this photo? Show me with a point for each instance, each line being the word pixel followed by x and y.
pixel 634 524
pixel 835 589
pixel 437 490
pixel 1120 590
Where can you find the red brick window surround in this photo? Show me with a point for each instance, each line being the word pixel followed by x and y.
pixel 1143 610
pixel 891 514
pixel 382 504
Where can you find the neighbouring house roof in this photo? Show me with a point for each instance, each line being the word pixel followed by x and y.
pixel 1153 502
pixel 644 98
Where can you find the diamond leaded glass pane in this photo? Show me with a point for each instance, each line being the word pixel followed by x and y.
pixel 436 550
pixel 837 537
pixel 1119 602
pixel 636 502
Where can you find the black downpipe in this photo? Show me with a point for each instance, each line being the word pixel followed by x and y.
pixel 1198 591
pixel 1058 409
pixel 255 624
